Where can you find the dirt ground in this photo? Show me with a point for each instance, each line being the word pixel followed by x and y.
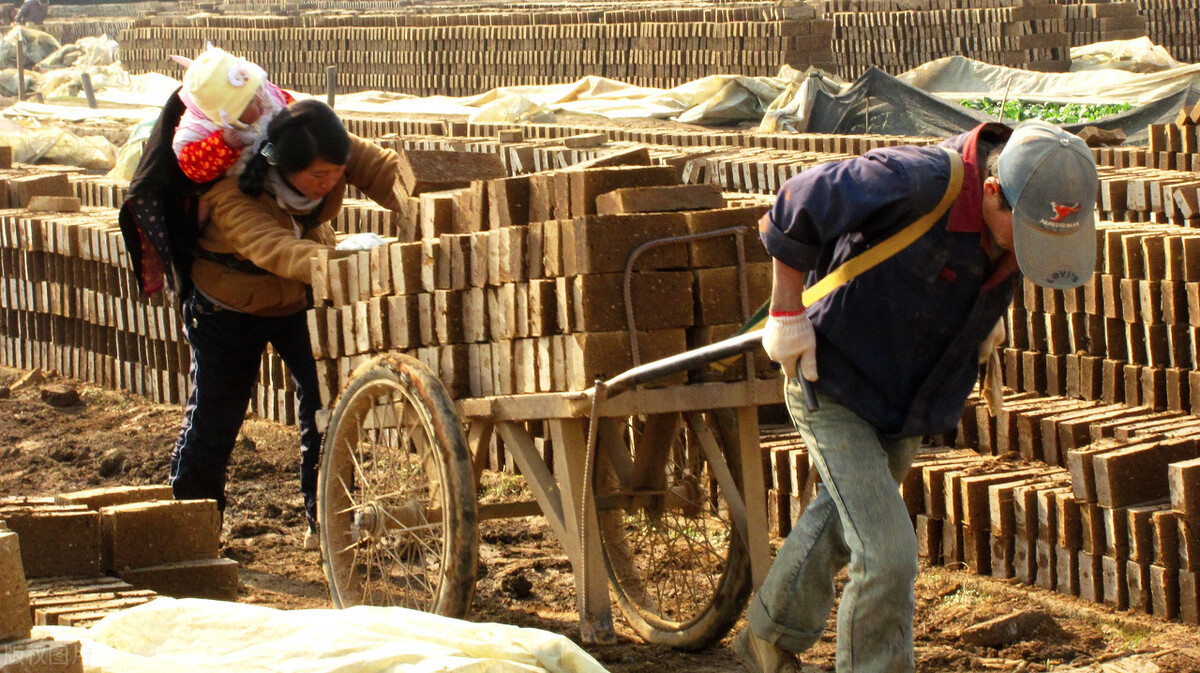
pixel 116 439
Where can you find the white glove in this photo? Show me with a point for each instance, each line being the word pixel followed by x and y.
pixel 992 342
pixel 361 242
pixel 789 340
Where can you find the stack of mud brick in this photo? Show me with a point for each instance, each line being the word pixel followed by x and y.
pixel 1129 335
pixel 70 304
pixel 479 46
pixel 19 652
pixel 1175 25
pixel 515 284
pixel 135 534
pixel 1176 146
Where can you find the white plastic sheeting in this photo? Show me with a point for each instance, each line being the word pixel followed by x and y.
pixel 958 77
pixel 201 636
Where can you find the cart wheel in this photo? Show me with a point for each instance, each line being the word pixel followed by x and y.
pixel 674 553
pixel 397 502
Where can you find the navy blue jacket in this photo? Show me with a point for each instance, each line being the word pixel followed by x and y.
pixel 899 344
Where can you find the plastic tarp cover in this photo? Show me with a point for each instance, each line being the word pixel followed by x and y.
pixel 958 77
pixel 202 636
pixel 717 98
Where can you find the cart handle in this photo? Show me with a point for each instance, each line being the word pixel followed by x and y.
pixel 692 359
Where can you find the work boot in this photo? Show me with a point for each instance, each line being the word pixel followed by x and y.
pixel 760 656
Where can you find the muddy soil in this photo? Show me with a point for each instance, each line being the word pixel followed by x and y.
pixel 114 439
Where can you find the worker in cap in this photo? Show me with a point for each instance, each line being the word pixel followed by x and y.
pixel 910 256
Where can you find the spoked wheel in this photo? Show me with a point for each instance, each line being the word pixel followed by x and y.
pixel 675 554
pixel 397 500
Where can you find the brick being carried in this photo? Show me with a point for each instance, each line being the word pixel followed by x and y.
pixel 606 354
pixel 722 251
pixel 661 299
pixel 718 296
pixel 436 170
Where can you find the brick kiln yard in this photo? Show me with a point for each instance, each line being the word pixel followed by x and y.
pixel 115 439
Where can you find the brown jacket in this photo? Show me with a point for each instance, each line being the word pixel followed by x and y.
pixel 259 230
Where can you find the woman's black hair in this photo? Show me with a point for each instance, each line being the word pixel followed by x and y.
pixel 301 133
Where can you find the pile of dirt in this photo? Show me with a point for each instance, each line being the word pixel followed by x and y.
pixel 111 438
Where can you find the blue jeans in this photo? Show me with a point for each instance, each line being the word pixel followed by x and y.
pixel 227 348
pixel 856 516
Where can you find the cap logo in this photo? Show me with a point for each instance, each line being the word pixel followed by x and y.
pixel 1062 211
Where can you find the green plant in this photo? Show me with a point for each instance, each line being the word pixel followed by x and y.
pixel 1055 113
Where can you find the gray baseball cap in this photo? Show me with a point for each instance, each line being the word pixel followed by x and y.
pixel 1049 178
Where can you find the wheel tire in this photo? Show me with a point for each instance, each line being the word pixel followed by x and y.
pixel 675 557
pixel 396 494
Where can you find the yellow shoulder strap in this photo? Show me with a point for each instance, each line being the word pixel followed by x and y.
pixel 869 258
pixel 894 243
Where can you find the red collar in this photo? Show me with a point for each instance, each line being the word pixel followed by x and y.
pixel 966 215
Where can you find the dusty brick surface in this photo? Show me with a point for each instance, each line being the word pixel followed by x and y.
pixel 15 620
pixel 139 535
pixel 216 579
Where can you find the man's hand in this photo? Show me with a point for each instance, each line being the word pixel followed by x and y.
pixel 992 342
pixel 789 339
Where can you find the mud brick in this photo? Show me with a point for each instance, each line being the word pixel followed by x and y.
pixel 718 297
pixel 607 354
pixel 1140 531
pixel 1184 482
pixel 603 243
pixel 437 213
pixel 929 539
pixel 437 170
pixel 407 260
pixel 1189 600
pixel 1068 531
pixel 989 502
pixel 15 621
pixel 1178 397
pixel 1091 576
pixel 508 202
pixel 54 204
pixel 587 184
pixel 1137 582
pixel 448 317
pixel 933 477
pixel 96 498
pixel 1006 441
pixel 41 656
pixel 1091 528
pixel 1024 559
pixel 138 535
pixel 1033 372
pixel 1042 567
pixel 1091 370
pixel 1079 463
pixel 661 299
pixel 1116 532
pixel 1002 556
pixel 1029 426
pixel 1065 430
pixel 660 199
pixel 1188 539
pixel 56 540
pixel 1115 582
pixel 1112 384
pixel 6 156
pixel 636 156
pixel 1066 575
pixel 1138 473
pixel 24 188
pixel 216 579
pixel 1164 591
pixel 977 550
pixel 1166 538
pixel 541 197
pixel 67 612
pixel 952 543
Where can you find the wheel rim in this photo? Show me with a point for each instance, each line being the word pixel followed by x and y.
pixel 383 517
pixel 668 539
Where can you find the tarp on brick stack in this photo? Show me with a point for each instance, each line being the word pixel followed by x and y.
pixel 925 100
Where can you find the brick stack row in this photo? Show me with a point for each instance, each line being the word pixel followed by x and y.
pixel 1174 24
pixel 472 52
